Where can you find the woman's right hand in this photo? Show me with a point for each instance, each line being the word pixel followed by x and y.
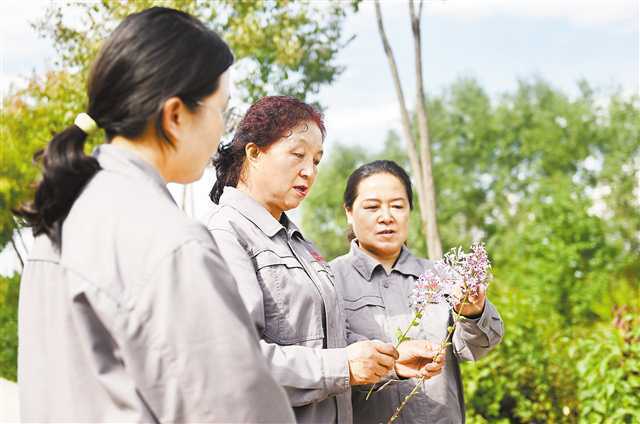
pixel 369 361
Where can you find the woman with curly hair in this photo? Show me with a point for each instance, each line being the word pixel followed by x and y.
pixel 288 288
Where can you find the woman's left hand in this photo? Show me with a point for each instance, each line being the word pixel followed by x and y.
pixel 416 359
pixel 475 304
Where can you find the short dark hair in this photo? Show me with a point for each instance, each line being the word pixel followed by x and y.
pixel 150 57
pixel 267 120
pixel 374 168
pixel 367 170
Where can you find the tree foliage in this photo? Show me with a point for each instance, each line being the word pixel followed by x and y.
pixel 9 288
pixel 551 184
pixel 281 47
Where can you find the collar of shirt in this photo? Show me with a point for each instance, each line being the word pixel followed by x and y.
pixel 406 263
pixel 256 213
pixel 123 161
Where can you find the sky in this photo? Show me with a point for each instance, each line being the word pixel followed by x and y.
pixel 497 42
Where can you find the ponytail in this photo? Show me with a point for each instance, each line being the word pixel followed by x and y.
pixel 142 63
pixel 66 170
pixel 228 163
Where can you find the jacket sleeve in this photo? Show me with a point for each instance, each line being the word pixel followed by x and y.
pixel 474 338
pixel 191 345
pixel 307 374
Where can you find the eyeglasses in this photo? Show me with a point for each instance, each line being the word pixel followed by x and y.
pixel 230 116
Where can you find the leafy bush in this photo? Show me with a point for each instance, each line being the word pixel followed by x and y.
pixel 608 368
pixel 9 288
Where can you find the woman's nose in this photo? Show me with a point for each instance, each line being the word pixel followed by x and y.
pixel 307 170
pixel 385 215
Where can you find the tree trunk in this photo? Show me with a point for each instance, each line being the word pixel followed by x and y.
pixel 420 163
pixel 428 209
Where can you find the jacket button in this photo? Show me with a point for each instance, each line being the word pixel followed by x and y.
pixel 386 284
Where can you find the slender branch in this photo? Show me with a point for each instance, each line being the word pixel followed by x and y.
pixel 404 113
pixel 414 322
pixel 405 400
pixel 443 349
pixel 15 248
pixel 19 232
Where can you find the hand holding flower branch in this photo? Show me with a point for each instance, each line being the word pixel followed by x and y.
pixel 460 280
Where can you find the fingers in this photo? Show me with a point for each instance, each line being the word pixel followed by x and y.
pixel 369 361
pixel 386 349
pixel 407 372
pixel 432 368
pixel 478 299
pixel 379 372
pixel 385 361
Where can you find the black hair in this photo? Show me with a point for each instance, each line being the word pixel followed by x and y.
pixel 150 57
pixel 266 121
pixel 367 170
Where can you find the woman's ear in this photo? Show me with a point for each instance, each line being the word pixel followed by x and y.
pixel 252 152
pixel 173 119
pixel 349 214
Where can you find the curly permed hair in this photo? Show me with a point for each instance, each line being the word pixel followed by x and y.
pixel 267 121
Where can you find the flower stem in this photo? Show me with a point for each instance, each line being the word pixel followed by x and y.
pixel 406 399
pixel 414 322
pixel 443 349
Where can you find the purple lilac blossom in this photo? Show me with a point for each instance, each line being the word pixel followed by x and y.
pixel 428 289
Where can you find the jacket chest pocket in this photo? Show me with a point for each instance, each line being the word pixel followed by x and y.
pixel 366 316
pixel 292 304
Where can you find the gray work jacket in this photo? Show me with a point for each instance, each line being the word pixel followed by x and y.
pixel 289 291
pixel 377 305
pixel 137 318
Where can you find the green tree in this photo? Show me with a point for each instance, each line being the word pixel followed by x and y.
pixel 281 46
pixel 521 172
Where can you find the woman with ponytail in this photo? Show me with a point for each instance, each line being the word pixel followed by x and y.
pixel 288 288
pixel 128 312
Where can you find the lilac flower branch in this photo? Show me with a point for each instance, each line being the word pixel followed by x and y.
pixel 443 349
pixel 459 277
pixel 427 290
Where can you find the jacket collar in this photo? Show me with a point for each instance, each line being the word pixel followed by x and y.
pixel 248 207
pixel 406 263
pixel 123 161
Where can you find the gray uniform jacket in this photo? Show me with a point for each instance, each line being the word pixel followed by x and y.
pixel 137 318
pixel 377 304
pixel 289 291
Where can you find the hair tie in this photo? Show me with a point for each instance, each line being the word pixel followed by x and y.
pixel 85 123
pixel 224 147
